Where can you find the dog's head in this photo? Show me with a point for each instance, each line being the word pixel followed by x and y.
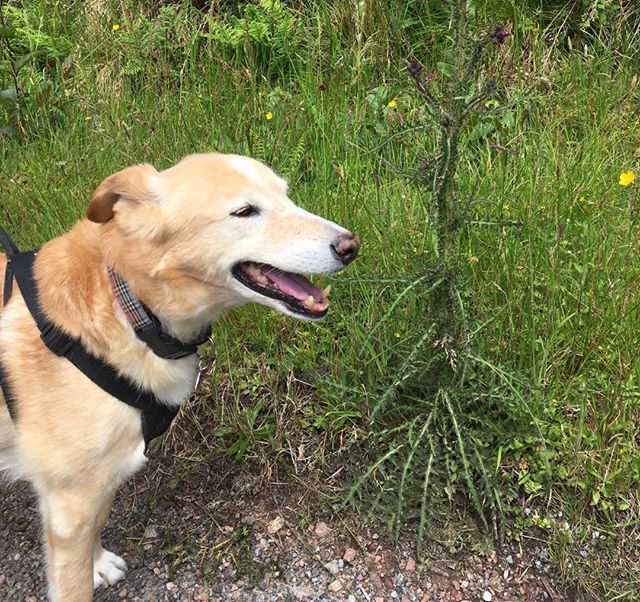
pixel 224 227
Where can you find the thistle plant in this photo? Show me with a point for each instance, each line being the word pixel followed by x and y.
pixel 461 97
pixel 425 444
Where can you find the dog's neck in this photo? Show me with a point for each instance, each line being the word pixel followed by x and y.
pixel 184 304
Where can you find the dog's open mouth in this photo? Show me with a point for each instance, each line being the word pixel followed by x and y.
pixel 294 290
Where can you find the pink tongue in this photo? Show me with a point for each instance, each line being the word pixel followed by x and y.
pixel 293 284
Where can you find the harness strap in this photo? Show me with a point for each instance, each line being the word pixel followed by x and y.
pixel 11 249
pixel 155 416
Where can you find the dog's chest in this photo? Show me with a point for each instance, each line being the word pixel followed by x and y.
pixel 172 381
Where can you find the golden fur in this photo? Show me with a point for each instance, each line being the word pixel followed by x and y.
pixel 172 236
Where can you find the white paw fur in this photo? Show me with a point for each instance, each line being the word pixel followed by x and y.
pixel 108 568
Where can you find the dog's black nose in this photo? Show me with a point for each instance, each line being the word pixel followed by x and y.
pixel 346 247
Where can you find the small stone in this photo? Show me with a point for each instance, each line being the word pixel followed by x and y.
pixel 351 598
pixel 151 532
pixel 335 586
pixel 411 565
pixel 172 587
pixel 332 567
pixel 487 596
pixel 349 554
pixel 321 529
pixel 123 593
pixel 394 595
pixel 375 580
pixel 509 559
pixel 302 593
pixel 275 525
pixel 583 553
pixel 464 584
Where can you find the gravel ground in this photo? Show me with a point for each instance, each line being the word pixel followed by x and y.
pixel 218 536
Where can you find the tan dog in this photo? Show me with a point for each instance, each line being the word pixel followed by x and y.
pixel 191 242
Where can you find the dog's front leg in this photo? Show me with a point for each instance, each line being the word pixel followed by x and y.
pixel 70 518
pixel 108 568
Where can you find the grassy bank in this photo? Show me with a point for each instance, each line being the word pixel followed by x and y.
pixel 320 92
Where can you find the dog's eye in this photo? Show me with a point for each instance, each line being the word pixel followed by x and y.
pixel 246 211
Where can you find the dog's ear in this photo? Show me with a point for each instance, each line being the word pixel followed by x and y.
pixel 137 185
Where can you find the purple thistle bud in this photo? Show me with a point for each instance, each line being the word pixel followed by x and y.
pixel 414 67
pixel 499 34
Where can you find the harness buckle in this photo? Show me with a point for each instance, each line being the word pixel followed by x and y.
pixel 163 345
pixel 55 340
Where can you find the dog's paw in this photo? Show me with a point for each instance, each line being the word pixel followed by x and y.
pixel 108 568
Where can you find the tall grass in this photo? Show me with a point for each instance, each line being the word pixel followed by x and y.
pixel 555 236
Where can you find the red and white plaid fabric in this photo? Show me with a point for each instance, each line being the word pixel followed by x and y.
pixel 130 304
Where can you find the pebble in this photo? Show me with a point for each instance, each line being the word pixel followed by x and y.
pixel 487 596
pixel 335 586
pixel 151 532
pixel 275 525
pixel 333 567
pixel 321 530
pixel 350 554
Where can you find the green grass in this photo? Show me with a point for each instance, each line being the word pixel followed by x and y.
pixel 556 293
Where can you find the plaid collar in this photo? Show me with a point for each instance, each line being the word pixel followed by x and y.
pixel 129 303
pixel 146 325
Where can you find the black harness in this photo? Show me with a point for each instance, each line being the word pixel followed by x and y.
pixel 155 416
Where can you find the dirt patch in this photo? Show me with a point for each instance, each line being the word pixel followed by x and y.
pixel 221 534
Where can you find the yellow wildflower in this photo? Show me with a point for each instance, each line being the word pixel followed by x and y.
pixel 473 259
pixel 115 26
pixel 269 116
pixel 627 177
pixel 88 118
pixel 392 103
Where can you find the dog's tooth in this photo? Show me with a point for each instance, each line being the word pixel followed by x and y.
pixel 253 270
pixel 326 290
pixel 261 278
pixel 309 302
